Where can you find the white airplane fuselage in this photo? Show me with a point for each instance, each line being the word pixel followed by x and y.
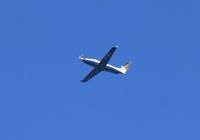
pixel 108 67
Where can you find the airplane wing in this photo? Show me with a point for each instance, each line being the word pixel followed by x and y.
pixel 94 72
pixel 101 65
pixel 107 57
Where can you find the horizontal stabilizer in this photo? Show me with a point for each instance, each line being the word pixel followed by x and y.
pixel 127 65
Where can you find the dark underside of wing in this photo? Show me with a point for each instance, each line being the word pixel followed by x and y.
pixel 94 72
pixel 107 57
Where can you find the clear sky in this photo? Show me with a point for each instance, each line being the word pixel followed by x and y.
pixel 42 98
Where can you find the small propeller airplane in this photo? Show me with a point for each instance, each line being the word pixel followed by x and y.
pixel 103 65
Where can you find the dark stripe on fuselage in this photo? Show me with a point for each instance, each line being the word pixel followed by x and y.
pixel 91 63
pixel 107 68
pixel 110 69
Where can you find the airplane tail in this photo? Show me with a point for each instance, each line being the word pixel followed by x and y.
pixel 125 67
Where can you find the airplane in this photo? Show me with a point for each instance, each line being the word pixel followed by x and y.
pixel 103 65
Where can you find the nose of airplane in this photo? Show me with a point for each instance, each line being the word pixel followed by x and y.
pixel 81 58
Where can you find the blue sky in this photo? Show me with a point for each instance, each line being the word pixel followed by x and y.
pixel 41 96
